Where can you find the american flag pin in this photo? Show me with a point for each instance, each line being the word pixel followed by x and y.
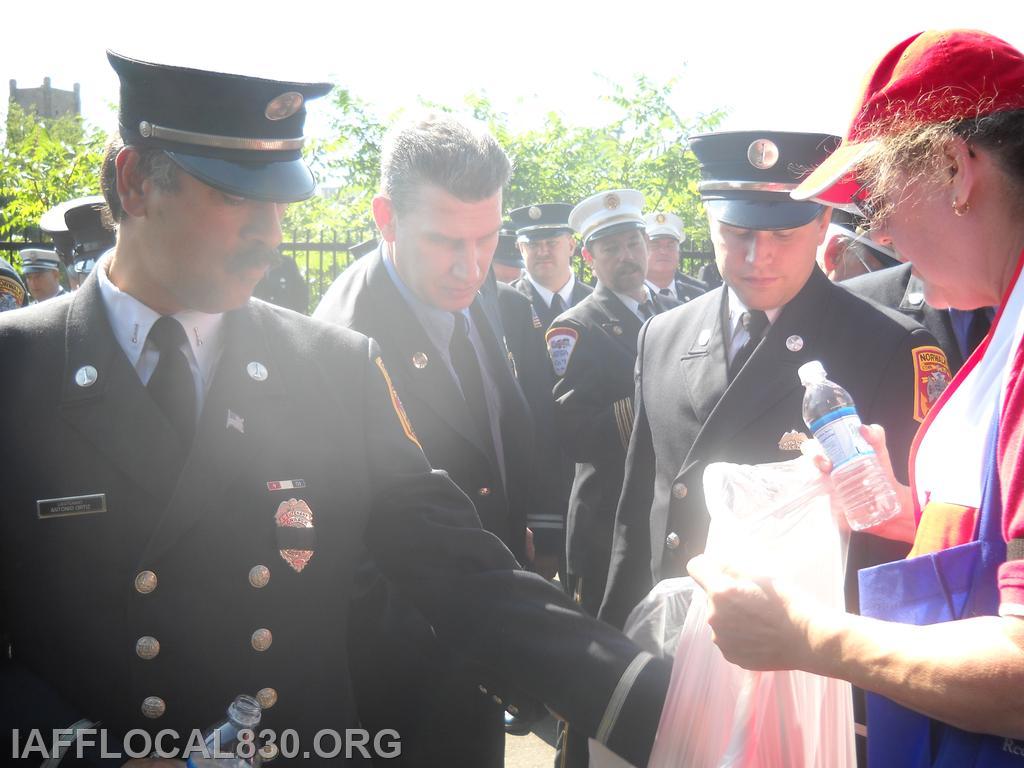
pixel 236 422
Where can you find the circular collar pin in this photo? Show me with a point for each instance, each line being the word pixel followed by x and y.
pixel 795 343
pixel 257 371
pixel 86 376
pixel 420 360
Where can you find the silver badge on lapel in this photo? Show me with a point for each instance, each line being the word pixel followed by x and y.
pixel 916 298
pixel 795 343
pixel 704 337
pixel 86 376
pixel 257 371
pixel 420 360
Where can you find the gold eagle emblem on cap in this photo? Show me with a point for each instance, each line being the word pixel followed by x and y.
pixel 763 154
pixel 534 212
pixel 660 218
pixel 283 106
pixel 611 201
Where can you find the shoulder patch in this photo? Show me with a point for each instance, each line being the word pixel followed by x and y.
pixel 931 377
pixel 561 342
pixel 396 403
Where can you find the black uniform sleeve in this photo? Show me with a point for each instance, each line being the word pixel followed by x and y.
pixel 426 537
pixel 629 576
pixel 590 418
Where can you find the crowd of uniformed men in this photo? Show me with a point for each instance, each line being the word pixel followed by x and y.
pixel 215 496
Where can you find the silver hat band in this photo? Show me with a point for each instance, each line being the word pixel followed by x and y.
pixel 150 131
pixel 746 186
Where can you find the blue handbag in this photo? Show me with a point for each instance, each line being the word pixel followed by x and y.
pixel 955 583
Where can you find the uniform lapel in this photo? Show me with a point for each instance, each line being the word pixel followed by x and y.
pixel 241 416
pixel 704 360
pixel 771 373
pixel 115 413
pixel 396 328
pixel 618 316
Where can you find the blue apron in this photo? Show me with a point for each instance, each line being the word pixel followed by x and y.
pixel 955 583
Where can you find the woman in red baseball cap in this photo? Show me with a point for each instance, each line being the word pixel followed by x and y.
pixel 934 157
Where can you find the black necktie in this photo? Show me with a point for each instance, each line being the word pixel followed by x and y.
pixel 756 323
pixel 646 309
pixel 978 329
pixel 467 368
pixel 665 291
pixel 171 386
pixel 557 305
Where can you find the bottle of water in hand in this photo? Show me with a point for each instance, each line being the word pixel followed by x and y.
pixel 866 494
pixel 232 743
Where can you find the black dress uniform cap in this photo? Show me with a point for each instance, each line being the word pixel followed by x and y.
pixel 507 252
pixel 241 135
pixel 746 176
pixel 53 224
pixel 539 222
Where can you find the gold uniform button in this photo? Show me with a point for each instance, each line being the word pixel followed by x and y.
pixel 482 689
pixel 672 540
pixel 153 707
pixel 267 697
pixel 147 647
pixel 259 576
pixel 145 582
pixel 679 490
pixel 512 709
pixel 261 639
pixel 484 492
pixel 497 700
pixel 268 752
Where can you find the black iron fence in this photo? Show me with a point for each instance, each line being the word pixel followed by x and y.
pixel 322 256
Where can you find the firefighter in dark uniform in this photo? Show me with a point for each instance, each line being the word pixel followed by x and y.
pixel 593 351
pixel 664 236
pixel 547 244
pixel 183 525
pixel 958 331
pixel 41 269
pixel 78 248
pixel 717 378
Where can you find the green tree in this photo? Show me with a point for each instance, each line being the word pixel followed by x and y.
pixel 44 162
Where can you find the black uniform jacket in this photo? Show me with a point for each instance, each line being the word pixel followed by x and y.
pixel 322 428
pixel 689 415
pixel 525 336
pixel 898 289
pixel 365 299
pixel 594 414
pixel 580 291
pixel 688 288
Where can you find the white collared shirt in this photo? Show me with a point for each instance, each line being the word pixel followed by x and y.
pixel 632 304
pixel 739 335
pixel 565 291
pixel 671 288
pixel 132 320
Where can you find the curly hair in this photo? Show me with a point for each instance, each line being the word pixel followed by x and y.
pixel 916 153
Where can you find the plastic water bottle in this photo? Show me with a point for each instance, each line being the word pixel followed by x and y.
pixel 232 743
pixel 866 494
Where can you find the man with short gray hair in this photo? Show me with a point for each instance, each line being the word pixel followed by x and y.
pixel 439 214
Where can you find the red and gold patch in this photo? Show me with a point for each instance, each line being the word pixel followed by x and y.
pixel 931 377
pixel 396 403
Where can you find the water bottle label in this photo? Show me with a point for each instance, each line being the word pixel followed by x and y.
pixel 839 435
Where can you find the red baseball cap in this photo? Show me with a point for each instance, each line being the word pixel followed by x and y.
pixel 932 77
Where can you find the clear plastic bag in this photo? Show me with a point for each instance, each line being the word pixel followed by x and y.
pixel 774 520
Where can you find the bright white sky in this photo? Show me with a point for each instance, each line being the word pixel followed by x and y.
pixel 774 65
